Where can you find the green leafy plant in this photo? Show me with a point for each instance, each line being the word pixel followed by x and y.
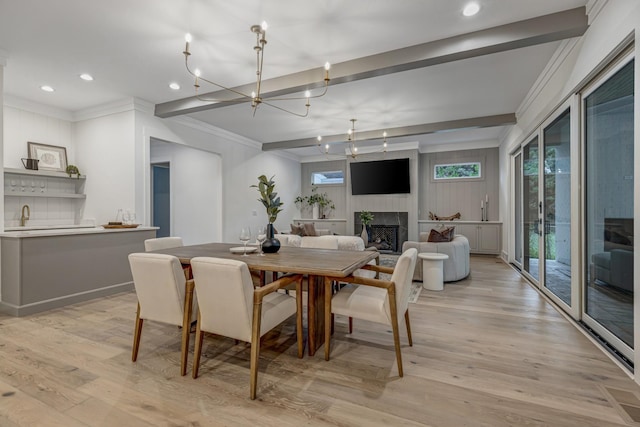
pixel 321 199
pixel 268 197
pixel 71 170
pixel 366 217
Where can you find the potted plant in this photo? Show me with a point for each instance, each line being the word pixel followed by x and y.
pixel 365 217
pixel 317 201
pixel 270 200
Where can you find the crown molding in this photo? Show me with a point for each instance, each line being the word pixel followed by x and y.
pixel 594 7
pixel 109 108
pixel 557 60
pixel 37 108
pixel 215 131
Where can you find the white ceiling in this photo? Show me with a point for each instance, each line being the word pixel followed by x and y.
pixel 134 49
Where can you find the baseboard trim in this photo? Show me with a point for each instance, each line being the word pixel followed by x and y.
pixel 40 306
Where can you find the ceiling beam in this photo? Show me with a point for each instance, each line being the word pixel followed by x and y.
pixel 542 29
pixel 426 128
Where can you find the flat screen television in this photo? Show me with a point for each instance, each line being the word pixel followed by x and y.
pixel 380 177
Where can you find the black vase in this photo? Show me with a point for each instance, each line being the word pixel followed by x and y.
pixel 271 245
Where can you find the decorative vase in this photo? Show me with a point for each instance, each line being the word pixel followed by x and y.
pixel 364 235
pixel 316 211
pixel 271 245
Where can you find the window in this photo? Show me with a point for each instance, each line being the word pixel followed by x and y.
pixel 457 171
pixel 328 177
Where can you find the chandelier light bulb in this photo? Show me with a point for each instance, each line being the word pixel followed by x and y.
pixel 319 138
pixel 355 149
pixel 188 38
pixel 307 94
pixel 253 94
pixel 326 148
pixel 327 66
pixel 264 25
pixel 197 72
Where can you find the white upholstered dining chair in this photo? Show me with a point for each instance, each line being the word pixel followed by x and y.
pixel 231 307
pixel 162 243
pixel 375 300
pixel 164 295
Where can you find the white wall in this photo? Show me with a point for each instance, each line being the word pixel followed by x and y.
pixel 242 162
pixel 105 152
pixel 196 191
pixel 20 127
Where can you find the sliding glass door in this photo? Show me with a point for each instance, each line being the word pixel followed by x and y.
pixel 608 111
pixel 556 205
pixel 531 210
pixel 517 209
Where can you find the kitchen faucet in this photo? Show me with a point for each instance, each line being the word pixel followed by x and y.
pixel 23 217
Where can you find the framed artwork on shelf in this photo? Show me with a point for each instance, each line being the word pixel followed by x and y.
pixel 51 157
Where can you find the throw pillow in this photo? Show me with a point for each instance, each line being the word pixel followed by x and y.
pixel 444 235
pixel 297 230
pixel 310 229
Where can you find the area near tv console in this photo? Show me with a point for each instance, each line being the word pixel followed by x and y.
pixel 485 237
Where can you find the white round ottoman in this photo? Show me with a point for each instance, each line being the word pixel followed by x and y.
pixel 432 275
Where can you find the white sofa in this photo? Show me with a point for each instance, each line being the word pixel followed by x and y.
pixel 345 243
pixel 454 268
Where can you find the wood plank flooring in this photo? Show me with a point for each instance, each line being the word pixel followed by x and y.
pixel 488 351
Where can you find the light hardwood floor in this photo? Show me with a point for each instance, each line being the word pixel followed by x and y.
pixel 488 351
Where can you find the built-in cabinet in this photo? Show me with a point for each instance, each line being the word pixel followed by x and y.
pixel 485 237
pixel 335 225
pixel 53 198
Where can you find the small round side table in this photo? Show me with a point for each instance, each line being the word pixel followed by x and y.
pixel 432 272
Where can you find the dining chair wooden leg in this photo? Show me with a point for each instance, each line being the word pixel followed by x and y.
pixel 327 318
pixel 186 326
pixel 350 325
pixel 137 332
pixel 299 331
pixel 408 323
pixel 255 348
pixel 394 324
pixel 197 351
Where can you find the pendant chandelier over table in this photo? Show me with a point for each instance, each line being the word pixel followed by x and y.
pixel 256 97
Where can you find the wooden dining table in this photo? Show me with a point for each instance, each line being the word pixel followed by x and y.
pixel 316 263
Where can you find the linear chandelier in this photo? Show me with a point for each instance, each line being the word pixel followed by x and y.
pixel 255 97
pixel 351 138
pixel 352 150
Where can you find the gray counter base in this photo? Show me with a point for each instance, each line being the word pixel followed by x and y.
pixel 51 271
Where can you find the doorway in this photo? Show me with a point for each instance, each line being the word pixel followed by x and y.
pixel 161 198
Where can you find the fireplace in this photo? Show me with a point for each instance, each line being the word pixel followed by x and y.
pixel 384 237
pixel 387 232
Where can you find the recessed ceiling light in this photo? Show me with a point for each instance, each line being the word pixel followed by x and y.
pixel 87 77
pixel 46 88
pixel 174 86
pixel 471 9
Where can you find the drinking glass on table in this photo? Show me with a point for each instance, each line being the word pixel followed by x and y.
pixel 261 237
pixel 245 236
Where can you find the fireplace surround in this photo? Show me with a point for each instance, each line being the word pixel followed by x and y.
pixel 388 230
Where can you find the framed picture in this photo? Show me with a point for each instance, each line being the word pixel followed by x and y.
pixel 51 157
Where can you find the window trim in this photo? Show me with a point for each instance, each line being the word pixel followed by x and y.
pixel 465 178
pixel 320 184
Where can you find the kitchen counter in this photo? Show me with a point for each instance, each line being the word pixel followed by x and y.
pixel 21 232
pixel 51 268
